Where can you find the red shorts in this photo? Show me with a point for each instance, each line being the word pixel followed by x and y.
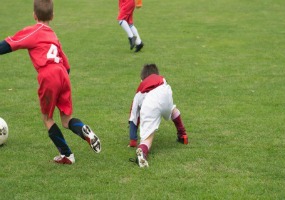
pixel 54 90
pixel 126 11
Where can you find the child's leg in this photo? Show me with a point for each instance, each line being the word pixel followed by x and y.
pixel 82 130
pixel 181 132
pixel 124 24
pixel 136 33
pixel 76 125
pixel 138 42
pixel 145 145
pixel 132 38
pixel 56 136
pixel 142 151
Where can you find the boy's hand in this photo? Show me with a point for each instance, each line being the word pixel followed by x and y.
pixel 138 3
pixel 133 143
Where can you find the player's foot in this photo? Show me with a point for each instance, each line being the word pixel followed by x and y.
pixel 91 138
pixel 62 159
pixel 132 42
pixel 139 47
pixel 133 143
pixel 142 162
pixel 182 139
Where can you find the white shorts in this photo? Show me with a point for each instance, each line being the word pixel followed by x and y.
pixel 157 103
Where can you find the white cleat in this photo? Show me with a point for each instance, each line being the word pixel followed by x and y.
pixel 62 159
pixel 142 162
pixel 91 138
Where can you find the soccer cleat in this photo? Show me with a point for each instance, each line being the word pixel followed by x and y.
pixel 182 139
pixel 139 47
pixel 91 138
pixel 142 162
pixel 62 159
pixel 132 41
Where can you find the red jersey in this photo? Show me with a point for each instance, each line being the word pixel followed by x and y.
pixel 51 64
pixel 150 83
pixel 42 43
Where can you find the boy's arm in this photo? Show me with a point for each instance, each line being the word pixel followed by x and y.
pixel 64 59
pixel 5 47
pixel 133 134
pixel 135 110
pixel 134 121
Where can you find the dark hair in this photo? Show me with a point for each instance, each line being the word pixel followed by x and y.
pixel 43 9
pixel 149 69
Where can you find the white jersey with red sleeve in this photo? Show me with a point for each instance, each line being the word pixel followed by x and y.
pixel 42 44
pixel 148 84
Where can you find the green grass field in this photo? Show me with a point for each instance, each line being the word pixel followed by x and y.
pixel 225 62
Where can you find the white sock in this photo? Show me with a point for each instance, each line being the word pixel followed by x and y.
pixel 126 27
pixel 136 33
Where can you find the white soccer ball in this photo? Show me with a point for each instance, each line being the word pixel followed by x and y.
pixel 3 131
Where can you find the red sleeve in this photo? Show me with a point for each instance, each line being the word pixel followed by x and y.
pixel 22 39
pixel 150 83
pixel 64 59
pixel 42 43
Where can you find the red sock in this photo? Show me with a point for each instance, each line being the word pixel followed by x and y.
pixel 144 149
pixel 179 126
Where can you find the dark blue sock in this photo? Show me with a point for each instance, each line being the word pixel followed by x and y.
pixel 75 125
pixel 133 131
pixel 56 136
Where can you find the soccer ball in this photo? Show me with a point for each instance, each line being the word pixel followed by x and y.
pixel 3 131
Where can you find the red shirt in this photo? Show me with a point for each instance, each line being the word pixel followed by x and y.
pixel 150 83
pixel 42 43
pixel 124 3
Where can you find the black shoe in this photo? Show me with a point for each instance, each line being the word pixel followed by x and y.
pixel 132 42
pixel 139 47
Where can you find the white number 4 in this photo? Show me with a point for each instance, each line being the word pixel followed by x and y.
pixel 52 53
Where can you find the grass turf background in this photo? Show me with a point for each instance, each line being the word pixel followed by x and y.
pixel 225 63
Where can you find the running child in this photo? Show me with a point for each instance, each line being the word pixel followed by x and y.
pixel 53 69
pixel 125 18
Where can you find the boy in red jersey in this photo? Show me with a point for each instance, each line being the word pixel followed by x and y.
pixel 152 101
pixel 54 89
pixel 125 18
